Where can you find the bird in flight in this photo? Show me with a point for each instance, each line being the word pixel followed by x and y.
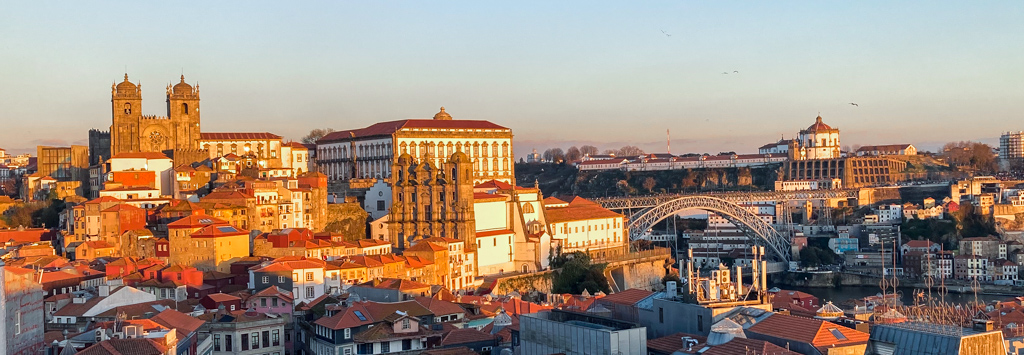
pixel 736 71
pixel 666 33
pixel 854 104
pixel 725 73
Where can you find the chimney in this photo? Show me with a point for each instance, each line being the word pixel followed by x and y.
pixel 670 289
pixel 983 325
pixel 104 290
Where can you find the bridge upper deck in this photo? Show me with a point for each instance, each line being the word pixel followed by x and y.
pixel 640 202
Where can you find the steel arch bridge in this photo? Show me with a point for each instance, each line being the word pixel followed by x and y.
pixel 754 227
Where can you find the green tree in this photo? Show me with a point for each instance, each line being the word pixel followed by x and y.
pixel 576 273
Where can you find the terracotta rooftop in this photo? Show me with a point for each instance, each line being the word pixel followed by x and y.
pixel 237 136
pixel 465 336
pixel 818 126
pixel 579 209
pixel 396 284
pixel 177 320
pixel 627 297
pixel 439 307
pixel 216 231
pixel 817 333
pixel 137 346
pixel 389 128
pixel 194 221
pixel 139 155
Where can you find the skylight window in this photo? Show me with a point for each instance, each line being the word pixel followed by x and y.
pixel 227 229
pixel 836 333
pixel 360 315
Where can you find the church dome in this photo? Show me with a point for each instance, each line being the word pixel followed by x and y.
pixel 442 115
pixel 460 157
pixel 819 126
pixel 182 87
pixel 126 86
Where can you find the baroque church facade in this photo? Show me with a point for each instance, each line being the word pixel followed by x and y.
pixel 431 200
pixel 131 131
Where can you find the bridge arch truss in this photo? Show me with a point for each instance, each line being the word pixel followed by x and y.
pixel 753 226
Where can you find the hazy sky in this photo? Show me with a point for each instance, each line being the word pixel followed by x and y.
pixel 556 72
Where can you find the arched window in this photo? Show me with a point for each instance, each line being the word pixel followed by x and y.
pixel 127 108
pixel 528 208
pixel 184 108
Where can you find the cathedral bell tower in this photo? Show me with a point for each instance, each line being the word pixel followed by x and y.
pixel 126 108
pixel 183 110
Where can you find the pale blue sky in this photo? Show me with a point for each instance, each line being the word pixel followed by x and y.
pixel 557 73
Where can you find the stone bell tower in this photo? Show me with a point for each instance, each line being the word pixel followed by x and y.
pixel 126 109
pixel 183 111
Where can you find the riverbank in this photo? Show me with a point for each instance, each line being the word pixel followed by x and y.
pixel 829 279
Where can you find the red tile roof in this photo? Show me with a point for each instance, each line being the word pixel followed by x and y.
pixel 198 220
pixel 480 196
pixel 817 333
pixel 426 246
pixel 579 209
pixel 440 307
pixel 137 346
pixel 627 297
pixel 494 233
pixel 139 155
pixel 288 265
pixel 222 297
pixel 465 336
pixel 237 136
pixel 493 184
pixel 396 284
pixel 217 231
pixel 177 320
pixel 389 128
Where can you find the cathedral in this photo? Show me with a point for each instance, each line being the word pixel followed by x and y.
pixel 131 131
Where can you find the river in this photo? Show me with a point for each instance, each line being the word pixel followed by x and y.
pixel 840 294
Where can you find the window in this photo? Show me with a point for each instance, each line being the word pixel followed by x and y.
pixel 263 302
pixel 255 338
pixel 380 205
pixel 273 302
pixel 348 333
pixel 700 323
pixel 228 343
pixel 280 279
pixel 266 338
pixel 405 323
pixel 385 347
pixel 407 344
pixel 661 315
pixel 310 292
pixel 309 276
pixel 216 342
pixel 295 277
pixel 275 337
pixel 245 341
